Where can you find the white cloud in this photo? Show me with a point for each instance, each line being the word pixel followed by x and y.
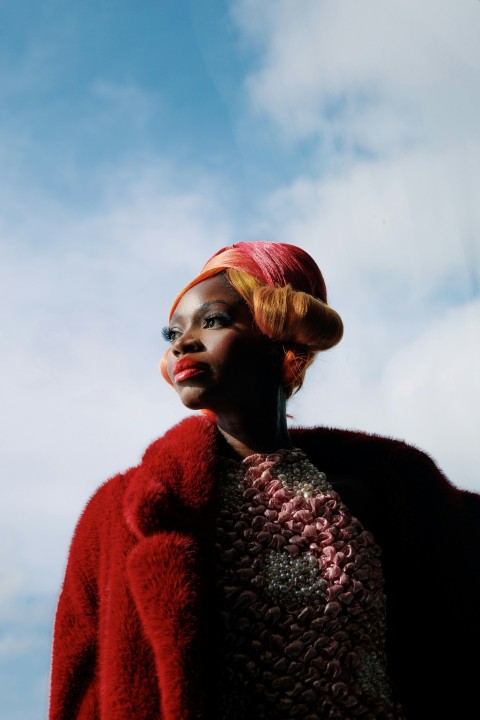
pixel 364 68
pixel 434 385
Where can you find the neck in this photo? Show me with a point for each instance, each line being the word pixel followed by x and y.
pixel 257 430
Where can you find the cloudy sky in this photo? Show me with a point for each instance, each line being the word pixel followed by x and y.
pixel 136 138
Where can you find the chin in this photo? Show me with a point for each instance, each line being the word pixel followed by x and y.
pixel 192 398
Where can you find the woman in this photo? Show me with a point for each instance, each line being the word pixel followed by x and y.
pixel 245 570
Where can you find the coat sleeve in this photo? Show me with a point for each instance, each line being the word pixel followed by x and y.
pixel 73 686
pixel 430 540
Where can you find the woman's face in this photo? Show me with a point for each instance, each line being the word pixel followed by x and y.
pixel 218 359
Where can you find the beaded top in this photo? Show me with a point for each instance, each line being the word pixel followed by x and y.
pixel 302 606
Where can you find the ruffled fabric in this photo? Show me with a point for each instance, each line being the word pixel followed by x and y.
pixel 301 598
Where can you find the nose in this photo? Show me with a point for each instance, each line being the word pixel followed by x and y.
pixel 187 342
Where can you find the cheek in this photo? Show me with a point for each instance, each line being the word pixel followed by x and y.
pixel 228 354
pixel 242 357
pixel 166 364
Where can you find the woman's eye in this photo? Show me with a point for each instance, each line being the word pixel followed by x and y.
pixel 170 334
pixel 219 320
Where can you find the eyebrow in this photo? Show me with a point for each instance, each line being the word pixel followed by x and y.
pixel 204 306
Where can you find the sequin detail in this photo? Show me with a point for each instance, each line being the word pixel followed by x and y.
pixel 371 677
pixel 293 580
pixel 302 607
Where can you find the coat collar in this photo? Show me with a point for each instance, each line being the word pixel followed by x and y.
pixel 175 482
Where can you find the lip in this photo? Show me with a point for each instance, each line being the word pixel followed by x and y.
pixel 186 369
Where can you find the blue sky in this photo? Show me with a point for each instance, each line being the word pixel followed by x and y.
pixel 99 84
pixel 138 138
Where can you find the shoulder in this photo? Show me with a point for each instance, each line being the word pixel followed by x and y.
pixel 181 448
pixel 358 451
pixel 361 443
pixel 396 477
pixel 172 468
pixel 175 480
pixel 100 510
pixel 185 444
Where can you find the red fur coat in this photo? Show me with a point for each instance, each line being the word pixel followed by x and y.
pixel 132 636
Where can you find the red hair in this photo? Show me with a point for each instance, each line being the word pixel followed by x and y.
pixel 274 264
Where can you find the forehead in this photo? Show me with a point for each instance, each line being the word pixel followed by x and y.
pixel 212 290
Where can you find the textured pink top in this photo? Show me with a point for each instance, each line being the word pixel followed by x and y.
pixel 301 598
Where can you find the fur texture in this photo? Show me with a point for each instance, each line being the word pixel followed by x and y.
pixel 132 638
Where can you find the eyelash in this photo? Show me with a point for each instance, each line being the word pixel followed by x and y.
pixel 170 334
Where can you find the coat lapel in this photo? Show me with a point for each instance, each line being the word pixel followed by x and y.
pixel 170 506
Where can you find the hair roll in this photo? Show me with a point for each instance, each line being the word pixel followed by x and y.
pixel 290 316
pixel 303 324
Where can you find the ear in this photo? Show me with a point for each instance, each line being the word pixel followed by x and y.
pixel 293 370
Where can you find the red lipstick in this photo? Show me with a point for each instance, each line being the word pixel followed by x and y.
pixel 186 369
